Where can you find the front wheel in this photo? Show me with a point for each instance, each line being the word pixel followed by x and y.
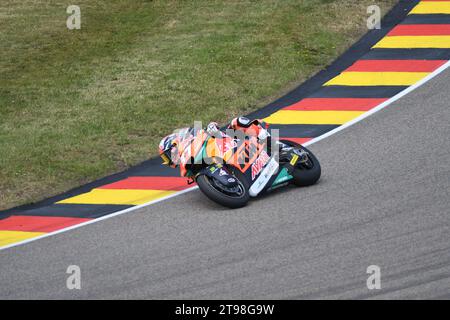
pixel 305 174
pixel 235 197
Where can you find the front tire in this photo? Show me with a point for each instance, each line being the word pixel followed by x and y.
pixel 303 176
pixel 208 187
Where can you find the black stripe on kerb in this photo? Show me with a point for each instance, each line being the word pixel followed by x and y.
pixel 157 170
pixel 427 19
pixel 91 211
pixel 407 54
pixel 302 130
pixel 358 92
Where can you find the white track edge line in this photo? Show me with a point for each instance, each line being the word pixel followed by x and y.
pixel 382 105
pixel 97 219
pixel 329 133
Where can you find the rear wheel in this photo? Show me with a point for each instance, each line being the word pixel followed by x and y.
pixel 234 197
pixel 308 172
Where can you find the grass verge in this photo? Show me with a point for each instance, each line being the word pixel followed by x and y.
pixel 76 105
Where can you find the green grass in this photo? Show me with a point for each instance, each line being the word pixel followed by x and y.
pixel 76 105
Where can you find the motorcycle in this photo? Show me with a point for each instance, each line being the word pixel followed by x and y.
pixel 232 168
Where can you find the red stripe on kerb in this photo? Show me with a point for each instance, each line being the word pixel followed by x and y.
pixel 298 140
pixel 38 223
pixel 149 183
pixel 420 30
pixel 338 104
pixel 396 65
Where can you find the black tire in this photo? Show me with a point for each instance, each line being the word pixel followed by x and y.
pixel 304 177
pixel 233 202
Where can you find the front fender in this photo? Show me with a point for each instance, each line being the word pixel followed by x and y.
pixel 221 174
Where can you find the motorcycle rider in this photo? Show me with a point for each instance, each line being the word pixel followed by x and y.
pixel 256 127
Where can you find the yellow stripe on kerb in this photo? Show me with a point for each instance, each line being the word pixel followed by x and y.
pixel 376 78
pixel 117 196
pixel 9 237
pixel 312 117
pixel 431 7
pixel 411 42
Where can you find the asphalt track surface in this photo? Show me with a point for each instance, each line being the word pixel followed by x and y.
pixel 383 199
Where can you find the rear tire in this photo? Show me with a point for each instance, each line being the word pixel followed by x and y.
pixel 304 177
pixel 233 202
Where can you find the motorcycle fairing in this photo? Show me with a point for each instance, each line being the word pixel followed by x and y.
pixel 265 178
pixel 249 156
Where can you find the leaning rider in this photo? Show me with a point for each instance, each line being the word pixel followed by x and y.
pixel 255 127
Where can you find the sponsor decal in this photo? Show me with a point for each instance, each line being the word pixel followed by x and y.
pixel 294 160
pixel 264 178
pixel 226 145
pixel 259 164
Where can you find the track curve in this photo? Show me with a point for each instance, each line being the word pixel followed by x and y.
pixel 411 47
pixel 383 200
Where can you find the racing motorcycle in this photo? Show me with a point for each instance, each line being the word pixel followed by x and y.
pixel 231 168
